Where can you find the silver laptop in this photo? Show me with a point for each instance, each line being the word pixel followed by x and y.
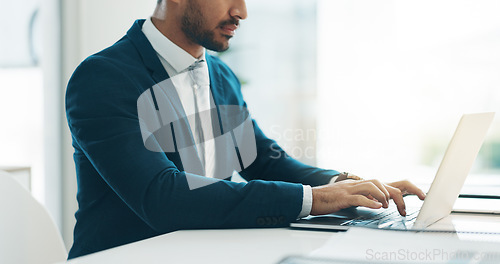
pixel 449 179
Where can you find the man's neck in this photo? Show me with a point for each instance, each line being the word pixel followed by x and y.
pixel 175 34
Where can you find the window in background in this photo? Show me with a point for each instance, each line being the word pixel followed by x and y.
pixel 394 79
pixel 274 55
pixel 21 93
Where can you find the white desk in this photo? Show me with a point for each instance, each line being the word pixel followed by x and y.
pixel 214 246
pixel 232 246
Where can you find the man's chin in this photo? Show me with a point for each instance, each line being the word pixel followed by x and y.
pixel 218 47
pixel 224 48
pixel 214 41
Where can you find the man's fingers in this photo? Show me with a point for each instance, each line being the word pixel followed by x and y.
pixel 361 200
pixel 368 188
pixel 367 193
pixel 407 187
pixel 382 188
pixel 397 196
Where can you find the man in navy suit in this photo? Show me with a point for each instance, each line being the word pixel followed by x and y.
pixel 128 192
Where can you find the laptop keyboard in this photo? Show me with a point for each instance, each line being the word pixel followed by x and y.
pixel 384 219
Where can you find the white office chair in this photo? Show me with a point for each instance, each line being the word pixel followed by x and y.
pixel 27 232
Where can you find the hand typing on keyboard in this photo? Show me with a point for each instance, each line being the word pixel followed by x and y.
pixel 368 193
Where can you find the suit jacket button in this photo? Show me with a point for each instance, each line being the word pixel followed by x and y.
pixel 261 221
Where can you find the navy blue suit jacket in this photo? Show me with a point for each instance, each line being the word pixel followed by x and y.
pixel 127 193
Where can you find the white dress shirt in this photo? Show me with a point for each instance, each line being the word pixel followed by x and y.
pixel 175 60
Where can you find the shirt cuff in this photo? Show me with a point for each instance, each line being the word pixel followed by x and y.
pixel 334 179
pixel 307 201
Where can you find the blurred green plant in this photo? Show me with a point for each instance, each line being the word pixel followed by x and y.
pixel 490 154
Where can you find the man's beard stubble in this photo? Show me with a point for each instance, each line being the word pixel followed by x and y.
pixel 193 26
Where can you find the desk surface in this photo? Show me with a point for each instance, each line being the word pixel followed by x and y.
pixel 214 246
pixel 235 245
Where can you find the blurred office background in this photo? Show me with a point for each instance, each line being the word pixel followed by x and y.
pixel 371 87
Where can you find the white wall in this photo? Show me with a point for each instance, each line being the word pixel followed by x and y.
pixel 395 77
pixel 88 26
pixel 52 108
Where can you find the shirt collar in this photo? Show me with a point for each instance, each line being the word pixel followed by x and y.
pixel 178 58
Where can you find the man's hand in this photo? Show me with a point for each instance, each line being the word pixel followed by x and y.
pixel 368 193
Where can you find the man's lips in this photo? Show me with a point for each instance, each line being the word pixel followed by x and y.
pixel 229 29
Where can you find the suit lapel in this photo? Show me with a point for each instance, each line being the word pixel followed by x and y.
pixel 161 83
pixel 153 64
pixel 148 54
pixel 215 81
pixel 159 75
pixel 217 90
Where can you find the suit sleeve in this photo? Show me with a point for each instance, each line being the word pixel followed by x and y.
pixel 102 115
